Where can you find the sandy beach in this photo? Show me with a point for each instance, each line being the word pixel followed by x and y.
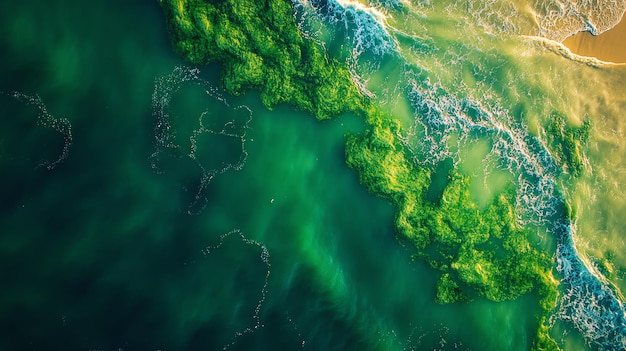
pixel 609 46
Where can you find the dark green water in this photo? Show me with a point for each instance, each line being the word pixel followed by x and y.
pixel 100 252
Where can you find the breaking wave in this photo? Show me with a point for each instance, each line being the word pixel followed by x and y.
pixel 442 115
pixel 364 26
pixel 588 303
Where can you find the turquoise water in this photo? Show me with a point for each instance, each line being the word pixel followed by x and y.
pixel 143 208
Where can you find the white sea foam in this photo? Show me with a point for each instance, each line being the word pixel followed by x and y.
pixel 441 115
pixel 365 27
pixel 444 114
pixel 551 19
pixel 391 4
pixel 296 330
pixel 588 303
pixel 560 49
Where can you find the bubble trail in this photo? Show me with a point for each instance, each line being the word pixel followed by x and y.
pixel 166 136
pixel 45 120
pixel 265 258
pixel 425 340
pixel 295 329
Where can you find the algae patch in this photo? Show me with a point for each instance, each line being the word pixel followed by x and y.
pixel 481 252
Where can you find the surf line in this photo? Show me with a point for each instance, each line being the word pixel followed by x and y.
pixel 587 302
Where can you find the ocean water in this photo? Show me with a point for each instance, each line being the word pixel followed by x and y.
pixel 144 208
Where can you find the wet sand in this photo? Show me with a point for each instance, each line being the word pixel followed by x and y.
pixel 609 46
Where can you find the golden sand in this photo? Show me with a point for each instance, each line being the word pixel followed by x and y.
pixel 609 46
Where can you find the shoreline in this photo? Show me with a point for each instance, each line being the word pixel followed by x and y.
pixel 609 46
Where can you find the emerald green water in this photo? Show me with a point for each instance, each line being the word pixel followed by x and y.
pixel 127 244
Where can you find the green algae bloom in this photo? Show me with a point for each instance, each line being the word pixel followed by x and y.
pixel 261 47
pixel 480 252
pixel 567 142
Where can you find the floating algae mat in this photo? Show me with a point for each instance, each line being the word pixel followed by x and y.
pixel 323 175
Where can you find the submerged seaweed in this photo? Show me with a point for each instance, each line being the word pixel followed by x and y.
pixel 481 252
pixel 260 47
